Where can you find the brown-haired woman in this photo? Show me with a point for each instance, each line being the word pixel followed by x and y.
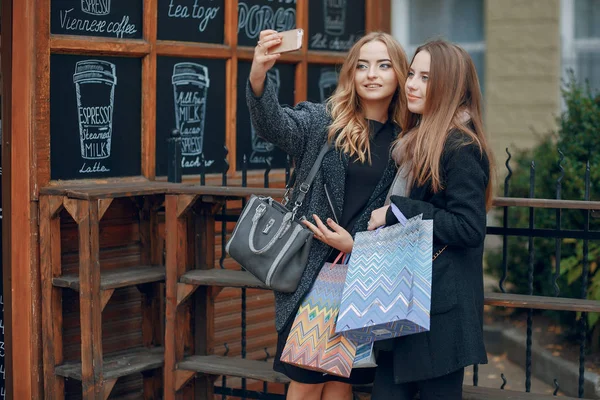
pixel 361 120
pixel 444 173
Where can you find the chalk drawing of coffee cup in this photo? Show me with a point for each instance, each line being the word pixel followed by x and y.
pixel 335 16
pixel 190 89
pixel 95 7
pixel 327 83
pixel 259 145
pixel 95 82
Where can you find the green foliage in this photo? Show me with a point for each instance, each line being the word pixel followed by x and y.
pixel 578 138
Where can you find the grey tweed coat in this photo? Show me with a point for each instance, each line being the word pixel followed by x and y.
pixel 301 132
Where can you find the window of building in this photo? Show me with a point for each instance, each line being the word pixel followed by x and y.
pixel 460 21
pixel 580 34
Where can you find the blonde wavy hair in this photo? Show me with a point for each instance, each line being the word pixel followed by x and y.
pixel 349 131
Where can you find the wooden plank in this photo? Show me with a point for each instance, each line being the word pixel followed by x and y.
pixel 149 91
pixel 231 86
pixel 117 278
pixel 113 189
pixel 483 393
pixel 233 366
pixel 222 277
pixel 546 203
pixel 182 377
pixel 184 291
pixel 90 310
pixel 226 191
pixel 42 93
pixel 103 205
pixel 21 188
pixel 108 387
pixel 541 302
pixel 193 50
pixel 184 202
pixel 52 318
pixel 89 45
pixel 105 297
pixel 119 364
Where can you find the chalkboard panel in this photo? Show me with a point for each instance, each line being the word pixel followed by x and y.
pixel 322 81
pixel 190 96
pixel 95 116
pixel 335 25
pixel 257 15
pixel 120 19
pixel 258 151
pixel 191 20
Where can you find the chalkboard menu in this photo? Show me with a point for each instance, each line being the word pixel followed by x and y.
pixel 190 96
pixel 258 151
pixel 257 15
pixel 191 20
pixel 335 25
pixel 120 19
pixel 322 81
pixel 95 116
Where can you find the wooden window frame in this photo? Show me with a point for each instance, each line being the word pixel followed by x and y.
pixel 377 17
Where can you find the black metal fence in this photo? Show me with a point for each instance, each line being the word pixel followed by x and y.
pixel 531 232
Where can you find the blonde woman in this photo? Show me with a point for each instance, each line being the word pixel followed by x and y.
pixel 361 120
pixel 444 173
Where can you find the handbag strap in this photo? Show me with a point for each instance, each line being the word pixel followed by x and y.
pixel 305 186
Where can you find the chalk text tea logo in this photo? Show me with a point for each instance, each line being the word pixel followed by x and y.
pixel 260 147
pixel 190 90
pixel 96 7
pixel 95 82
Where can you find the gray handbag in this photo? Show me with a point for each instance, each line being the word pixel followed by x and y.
pixel 269 240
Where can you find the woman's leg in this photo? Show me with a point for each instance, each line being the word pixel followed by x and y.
pixel 447 387
pixel 304 391
pixel 384 387
pixel 337 391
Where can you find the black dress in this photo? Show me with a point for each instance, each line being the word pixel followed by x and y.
pixel 361 180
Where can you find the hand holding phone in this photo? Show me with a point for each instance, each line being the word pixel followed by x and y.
pixel 290 41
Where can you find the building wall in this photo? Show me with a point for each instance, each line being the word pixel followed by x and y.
pixel 522 72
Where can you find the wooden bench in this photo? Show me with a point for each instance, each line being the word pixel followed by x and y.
pixel 87 205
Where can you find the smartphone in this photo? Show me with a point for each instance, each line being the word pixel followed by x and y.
pixel 290 41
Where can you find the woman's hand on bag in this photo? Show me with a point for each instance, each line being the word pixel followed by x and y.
pixel 336 237
pixel 377 218
pixel 262 62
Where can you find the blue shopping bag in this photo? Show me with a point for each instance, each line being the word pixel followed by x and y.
pixel 387 292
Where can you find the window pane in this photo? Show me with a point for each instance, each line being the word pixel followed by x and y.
pixel 467 21
pixel 588 68
pixel 456 20
pixel 587 18
pixel 425 20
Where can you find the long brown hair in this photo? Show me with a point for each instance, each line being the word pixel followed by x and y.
pixel 452 90
pixel 349 131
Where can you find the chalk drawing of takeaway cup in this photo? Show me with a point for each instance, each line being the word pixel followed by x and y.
pixel 95 82
pixel 95 7
pixel 190 88
pixel 259 145
pixel 327 83
pixel 335 16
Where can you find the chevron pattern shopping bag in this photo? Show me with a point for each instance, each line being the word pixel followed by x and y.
pixel 313 343
pixel 387 292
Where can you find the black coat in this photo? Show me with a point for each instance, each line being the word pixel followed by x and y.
pixel 301 132
pixel 455 339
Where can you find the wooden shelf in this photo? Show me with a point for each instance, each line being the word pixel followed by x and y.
pixel 120 364
pixel 117 278
pixel 541 302
pixel 223 278
pixel 231 366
